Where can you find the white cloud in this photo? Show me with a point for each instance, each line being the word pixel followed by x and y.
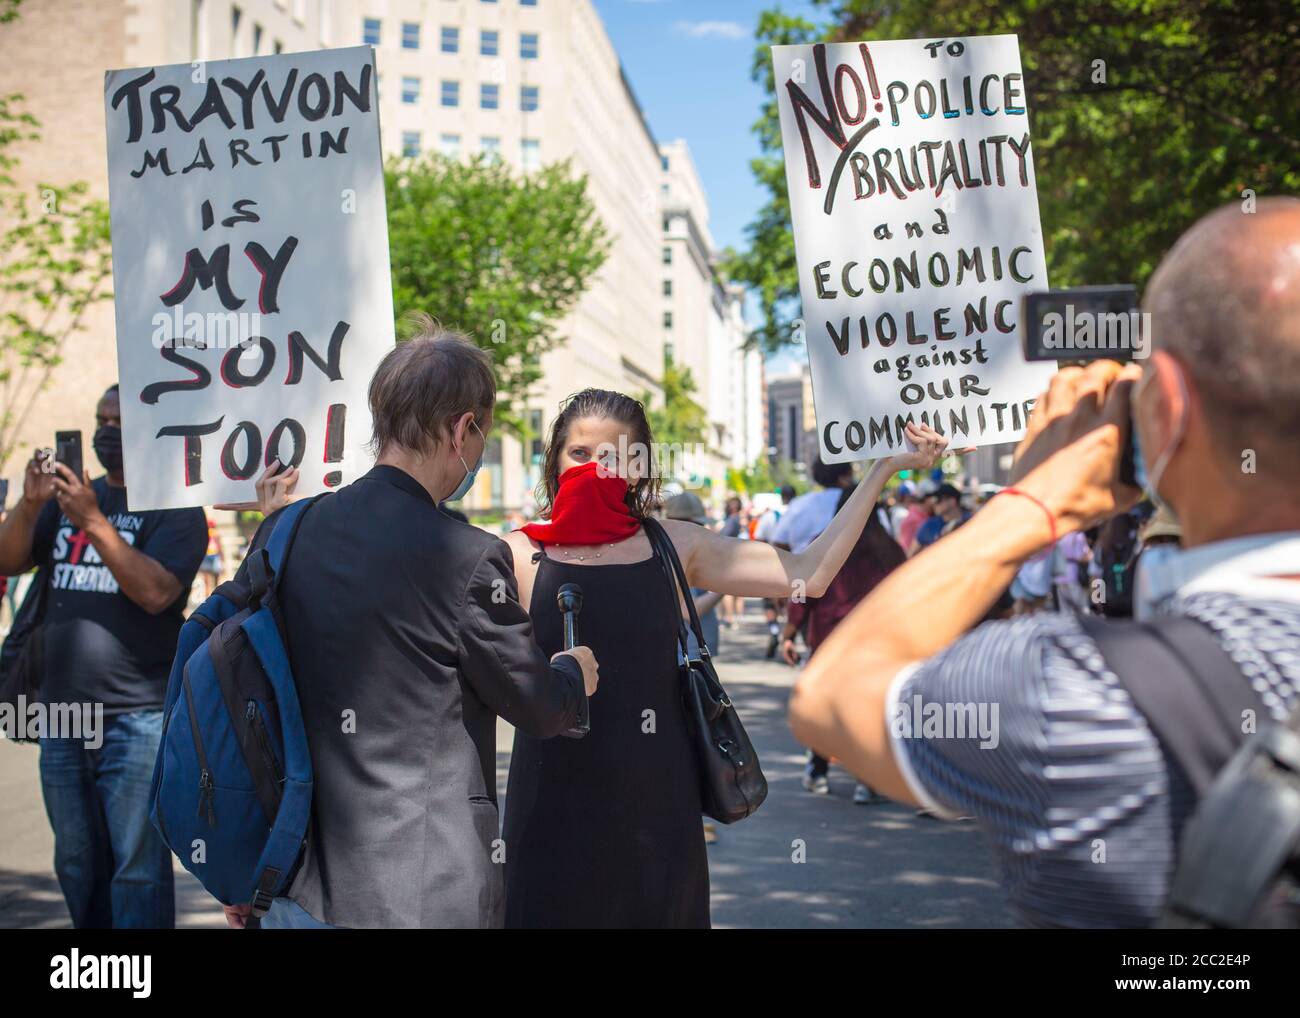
pixel 707 29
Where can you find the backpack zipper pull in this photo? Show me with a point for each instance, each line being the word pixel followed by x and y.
pixel 207 810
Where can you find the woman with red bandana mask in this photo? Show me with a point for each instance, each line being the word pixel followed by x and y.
pixel 605 831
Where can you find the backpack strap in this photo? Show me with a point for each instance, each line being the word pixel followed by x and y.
pixel 264 563
pixel 1191 693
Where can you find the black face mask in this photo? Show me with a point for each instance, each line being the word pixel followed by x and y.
pixel 108 447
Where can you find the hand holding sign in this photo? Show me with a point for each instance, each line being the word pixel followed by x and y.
pixel 275 489
pixel 928 448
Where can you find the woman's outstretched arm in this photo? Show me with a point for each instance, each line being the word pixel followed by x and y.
pixel 757 569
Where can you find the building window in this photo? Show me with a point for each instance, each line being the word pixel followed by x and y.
pixel 451 40
pixel 449 145
pixel 668 256
pixel 668 319
pixel 410 144
pixel 528 98
pixel 410 35
pixel 278 46
pixel 489 43
pixel 489 97
pixel 490 146
pixel 410 91
pixel 663 162
pixel 668 287
pixel 528 45
pixel 236 17
pixel 527 3
pixel 370 31
pixel 530 151
pixel 257 39
pixel 451 93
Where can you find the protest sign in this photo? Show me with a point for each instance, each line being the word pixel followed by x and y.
pixel 250 267
pixel 916 232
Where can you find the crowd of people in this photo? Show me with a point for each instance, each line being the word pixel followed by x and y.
pixel 423 630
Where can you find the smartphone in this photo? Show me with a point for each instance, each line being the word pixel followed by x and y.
pixel 67 450
pixel 4 493
pixel 1088 323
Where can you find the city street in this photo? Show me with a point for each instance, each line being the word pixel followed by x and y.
pixel 863 866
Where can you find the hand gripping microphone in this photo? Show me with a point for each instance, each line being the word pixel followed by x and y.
pixel 569 600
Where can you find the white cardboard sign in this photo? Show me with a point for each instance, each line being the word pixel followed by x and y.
pixel 916 232
pixel 250 268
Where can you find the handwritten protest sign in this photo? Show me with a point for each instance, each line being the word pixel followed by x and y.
pixel 916 231
pixel 250 266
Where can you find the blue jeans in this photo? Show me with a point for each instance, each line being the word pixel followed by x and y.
pixel 287 914
pixel 113 867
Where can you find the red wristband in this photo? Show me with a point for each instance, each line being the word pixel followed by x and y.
pixel 1051 520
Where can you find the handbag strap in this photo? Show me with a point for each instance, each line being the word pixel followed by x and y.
pixel 667 552
pixel 666 556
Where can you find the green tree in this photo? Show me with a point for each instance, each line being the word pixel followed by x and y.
pixel 762 475
pixel 680 420
pixel 495 254
pixel 1192 105
pixel 55 261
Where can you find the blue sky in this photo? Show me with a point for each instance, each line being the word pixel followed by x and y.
pixel 689 61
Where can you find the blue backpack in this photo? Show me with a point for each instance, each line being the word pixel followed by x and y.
pixel 232 785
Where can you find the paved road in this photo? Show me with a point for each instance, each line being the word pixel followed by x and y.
pixel 864 866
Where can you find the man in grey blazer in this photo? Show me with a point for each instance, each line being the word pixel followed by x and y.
pixel 407 640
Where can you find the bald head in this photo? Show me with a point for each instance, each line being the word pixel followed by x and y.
pixel 1225 302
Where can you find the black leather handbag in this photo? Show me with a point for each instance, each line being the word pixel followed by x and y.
pixel 732 785
pixel 22 656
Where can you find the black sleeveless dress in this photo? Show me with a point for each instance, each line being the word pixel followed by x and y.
pixel 605 831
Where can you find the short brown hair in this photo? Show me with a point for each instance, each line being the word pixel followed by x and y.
pixel 426 382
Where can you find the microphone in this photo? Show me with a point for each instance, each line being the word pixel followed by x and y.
pixel 569 600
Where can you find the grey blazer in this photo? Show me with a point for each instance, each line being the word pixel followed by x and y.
pixel 407 639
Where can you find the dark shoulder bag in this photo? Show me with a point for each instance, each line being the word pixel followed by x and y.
pixel 22 657
pixel 732 785
pixel 1239 853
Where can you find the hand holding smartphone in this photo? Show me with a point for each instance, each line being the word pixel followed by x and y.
pixel 67 450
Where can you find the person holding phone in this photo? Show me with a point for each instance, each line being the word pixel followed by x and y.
pixel 116 585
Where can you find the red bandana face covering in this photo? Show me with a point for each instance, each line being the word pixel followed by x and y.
pixel 589 509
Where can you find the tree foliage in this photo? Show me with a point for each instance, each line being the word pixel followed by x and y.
pixel 1193 105
pixel 55 261
pixel 680 420
pixel 495 254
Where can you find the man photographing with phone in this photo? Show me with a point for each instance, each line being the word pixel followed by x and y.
pixel 1081 786
pixel 115 584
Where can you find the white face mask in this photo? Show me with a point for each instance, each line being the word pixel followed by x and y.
pixel 1156 470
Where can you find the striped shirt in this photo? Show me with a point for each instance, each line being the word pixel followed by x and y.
pixel 1081 806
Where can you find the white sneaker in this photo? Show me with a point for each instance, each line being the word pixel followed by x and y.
pixel 817 784
pixel 864 796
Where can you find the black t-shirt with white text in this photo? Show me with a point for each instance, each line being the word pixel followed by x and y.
pixel 100 646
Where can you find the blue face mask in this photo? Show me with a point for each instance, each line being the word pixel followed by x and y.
pixel 462 489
